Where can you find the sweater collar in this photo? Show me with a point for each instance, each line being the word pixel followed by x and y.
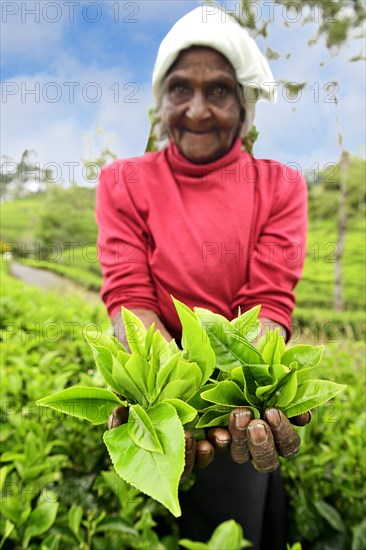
pixel 187 172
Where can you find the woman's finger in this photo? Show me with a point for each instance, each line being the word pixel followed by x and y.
pixel 204 453
pixel 301 419
pixel 286 439
pixel 262 447
pixel 190 453
pixel 220 438
pixel 119 416
pixel 238 423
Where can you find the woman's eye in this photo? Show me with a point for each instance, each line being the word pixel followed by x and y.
pixel 217 92
pixel 179 89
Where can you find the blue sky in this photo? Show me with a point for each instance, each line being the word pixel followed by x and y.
pixel 89 64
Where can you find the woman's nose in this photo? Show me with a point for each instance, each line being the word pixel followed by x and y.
pixel 198 107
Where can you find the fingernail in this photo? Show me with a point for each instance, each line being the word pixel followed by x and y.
pixel 242 419
pixel 258 434
pixel 274 417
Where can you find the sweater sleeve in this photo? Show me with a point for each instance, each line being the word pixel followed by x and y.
pixel 123 238
pixel 276 258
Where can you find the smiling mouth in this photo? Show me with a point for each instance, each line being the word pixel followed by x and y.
pixel 198 133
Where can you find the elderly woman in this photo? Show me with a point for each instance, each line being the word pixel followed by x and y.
pixel 206 222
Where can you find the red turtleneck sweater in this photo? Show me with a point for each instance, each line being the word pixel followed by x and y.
pixel 220 235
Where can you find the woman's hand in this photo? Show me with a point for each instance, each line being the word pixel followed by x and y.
pixel 263 441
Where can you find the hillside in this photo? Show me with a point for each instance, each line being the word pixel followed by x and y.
pixel 59 219
pixel 18 219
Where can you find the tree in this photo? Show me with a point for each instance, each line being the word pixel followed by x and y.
pixel 18 179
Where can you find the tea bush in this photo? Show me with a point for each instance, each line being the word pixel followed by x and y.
pixel 58 488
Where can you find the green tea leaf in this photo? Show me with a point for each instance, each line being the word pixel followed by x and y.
pixel 285 395
pixel 123 357
pixel 193 545
pixel 8 528
pixel 311 394
pixel 161 351
pixel 279 371
pixel 247 324
pixel 116 524
pixel 74 517
pixel 103 358
pixel 263 392
pixel 141 430
pixel 95 338
pixel 125 492
pixel 135 332
pixel 148 339
pixel 180 389
pixel 157 474
pixel 230 349
pixel 93 404
pixel 228 536
pixel 52 542
pixel 237 376
pixel 195 341
pixel 185 412
pixel 225 393
pixel 359 535
pixel 213 418
pixel 129 388
pixel 118 345
pixel 166 371
pixel 40 520
pixel 306 356
pixel 271 351
pixel 304 374
pixel 250 386
pixel 331 515
pixel 185 369
pixel 138 369
pixel 259 373
pixel 196 400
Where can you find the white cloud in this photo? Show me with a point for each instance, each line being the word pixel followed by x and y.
pixel 27 30
pixel 61 132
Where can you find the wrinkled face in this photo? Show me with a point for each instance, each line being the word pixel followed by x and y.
pixel 200 105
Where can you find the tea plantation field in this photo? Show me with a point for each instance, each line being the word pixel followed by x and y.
pixel 58 488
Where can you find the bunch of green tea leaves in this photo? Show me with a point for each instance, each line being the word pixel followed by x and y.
pixel 268 375
pixel 156 379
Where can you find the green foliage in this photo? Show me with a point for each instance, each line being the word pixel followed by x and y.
pixel 19 218
pixel 325 481
pixel 61 220
pixel 315 290
pixel 228 536
pixel 338 18
pixel 155 379
pixel 56 487
pixel 261 377
pixel 19 179
pixel 45 457
pixel 324 190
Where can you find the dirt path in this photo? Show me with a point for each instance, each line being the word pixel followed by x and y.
pixel 42 278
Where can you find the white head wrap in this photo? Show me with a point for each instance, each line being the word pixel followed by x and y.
pixel 210 26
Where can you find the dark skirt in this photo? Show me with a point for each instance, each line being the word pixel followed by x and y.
pixel 226 490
